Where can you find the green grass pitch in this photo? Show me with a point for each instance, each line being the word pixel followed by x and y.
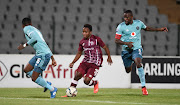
pixel 105 96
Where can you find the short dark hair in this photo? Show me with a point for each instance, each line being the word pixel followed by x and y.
pixel 26 21
pixel 129 11
pixel 88 26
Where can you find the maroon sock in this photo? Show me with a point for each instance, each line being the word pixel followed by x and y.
pixel 74 85
pixel 95 82
pixel 92 82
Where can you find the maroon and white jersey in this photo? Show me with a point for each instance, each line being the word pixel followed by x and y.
pixel 92 50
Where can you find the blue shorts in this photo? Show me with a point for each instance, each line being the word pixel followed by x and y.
pixel 40 62
pixel 129 56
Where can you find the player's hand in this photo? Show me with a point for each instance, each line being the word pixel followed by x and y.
pixel 54 63
pixel 109 60
pixel 130 44
pixel 164 29
pixel 20 47
pixel 71 65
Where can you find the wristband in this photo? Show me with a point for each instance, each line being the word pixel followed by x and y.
pixel 24 45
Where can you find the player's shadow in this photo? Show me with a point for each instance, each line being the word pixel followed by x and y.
pixel 102 95
pixel 38 97
pixel 93 95
pixel 130 94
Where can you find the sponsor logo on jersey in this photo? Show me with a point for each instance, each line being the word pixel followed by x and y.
pixel 91 43
pixel 133 34
pixel 137 27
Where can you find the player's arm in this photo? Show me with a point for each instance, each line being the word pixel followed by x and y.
pixel 53 61
pixel 156 29
pixel 22 46
pixel 109 60
pixel 32 40
pixel 101 43
pixel 119 41
pixel 78 55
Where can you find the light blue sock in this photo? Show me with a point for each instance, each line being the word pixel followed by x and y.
pixel 141 76
pixel 40 81
pixel 29 73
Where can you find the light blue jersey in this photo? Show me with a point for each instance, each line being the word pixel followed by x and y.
pixel 131 33
pixel 36 40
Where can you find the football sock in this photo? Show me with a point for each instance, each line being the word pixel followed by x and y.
pixel 92 82
pixel 29 73
pixel 143 86
pixel 40 81
pixel 74 83
pixel 141 76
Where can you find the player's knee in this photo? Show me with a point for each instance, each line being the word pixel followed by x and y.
pixel 138 65
pixel 86 82
pixel 128 70
pixel 78 76
pixel 33 79
pixel 25 70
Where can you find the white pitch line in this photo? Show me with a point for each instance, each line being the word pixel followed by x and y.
pixel 93 101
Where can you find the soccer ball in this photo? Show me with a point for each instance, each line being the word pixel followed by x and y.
pixel 71 91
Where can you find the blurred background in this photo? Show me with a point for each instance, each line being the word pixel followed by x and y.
pixel 61 23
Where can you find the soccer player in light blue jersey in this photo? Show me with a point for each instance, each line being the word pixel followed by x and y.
pixel 43 55
pixel 129 36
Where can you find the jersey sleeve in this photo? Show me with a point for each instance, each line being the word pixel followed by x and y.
pixel 143 26
pixel 80 47
pixel 118 32
pixel 100 42
pixel 32 36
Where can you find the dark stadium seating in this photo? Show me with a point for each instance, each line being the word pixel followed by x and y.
pixel 64 19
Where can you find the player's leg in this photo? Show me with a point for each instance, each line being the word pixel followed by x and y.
pixel 90 82
pixel 40 65
pixel 127 60
pixel 39 80
pixel 128 69
pixel 137 56
pixel 79 73
pixel 78 76
pixel 140 71
pixel 30 66
pixel 42 82
pixel 92 72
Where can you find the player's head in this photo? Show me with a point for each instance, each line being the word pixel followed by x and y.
pixel 87 31
pixel 26 21
pixel 128 17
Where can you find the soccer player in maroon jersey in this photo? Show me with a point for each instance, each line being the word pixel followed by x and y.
pixel 93 59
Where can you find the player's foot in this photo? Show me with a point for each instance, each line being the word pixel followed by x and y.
pixel 45 89
pixel 96 87
pixel 144 91
pixel 64 96
pixel 53 93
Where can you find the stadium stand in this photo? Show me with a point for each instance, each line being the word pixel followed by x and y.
pixel 64 19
